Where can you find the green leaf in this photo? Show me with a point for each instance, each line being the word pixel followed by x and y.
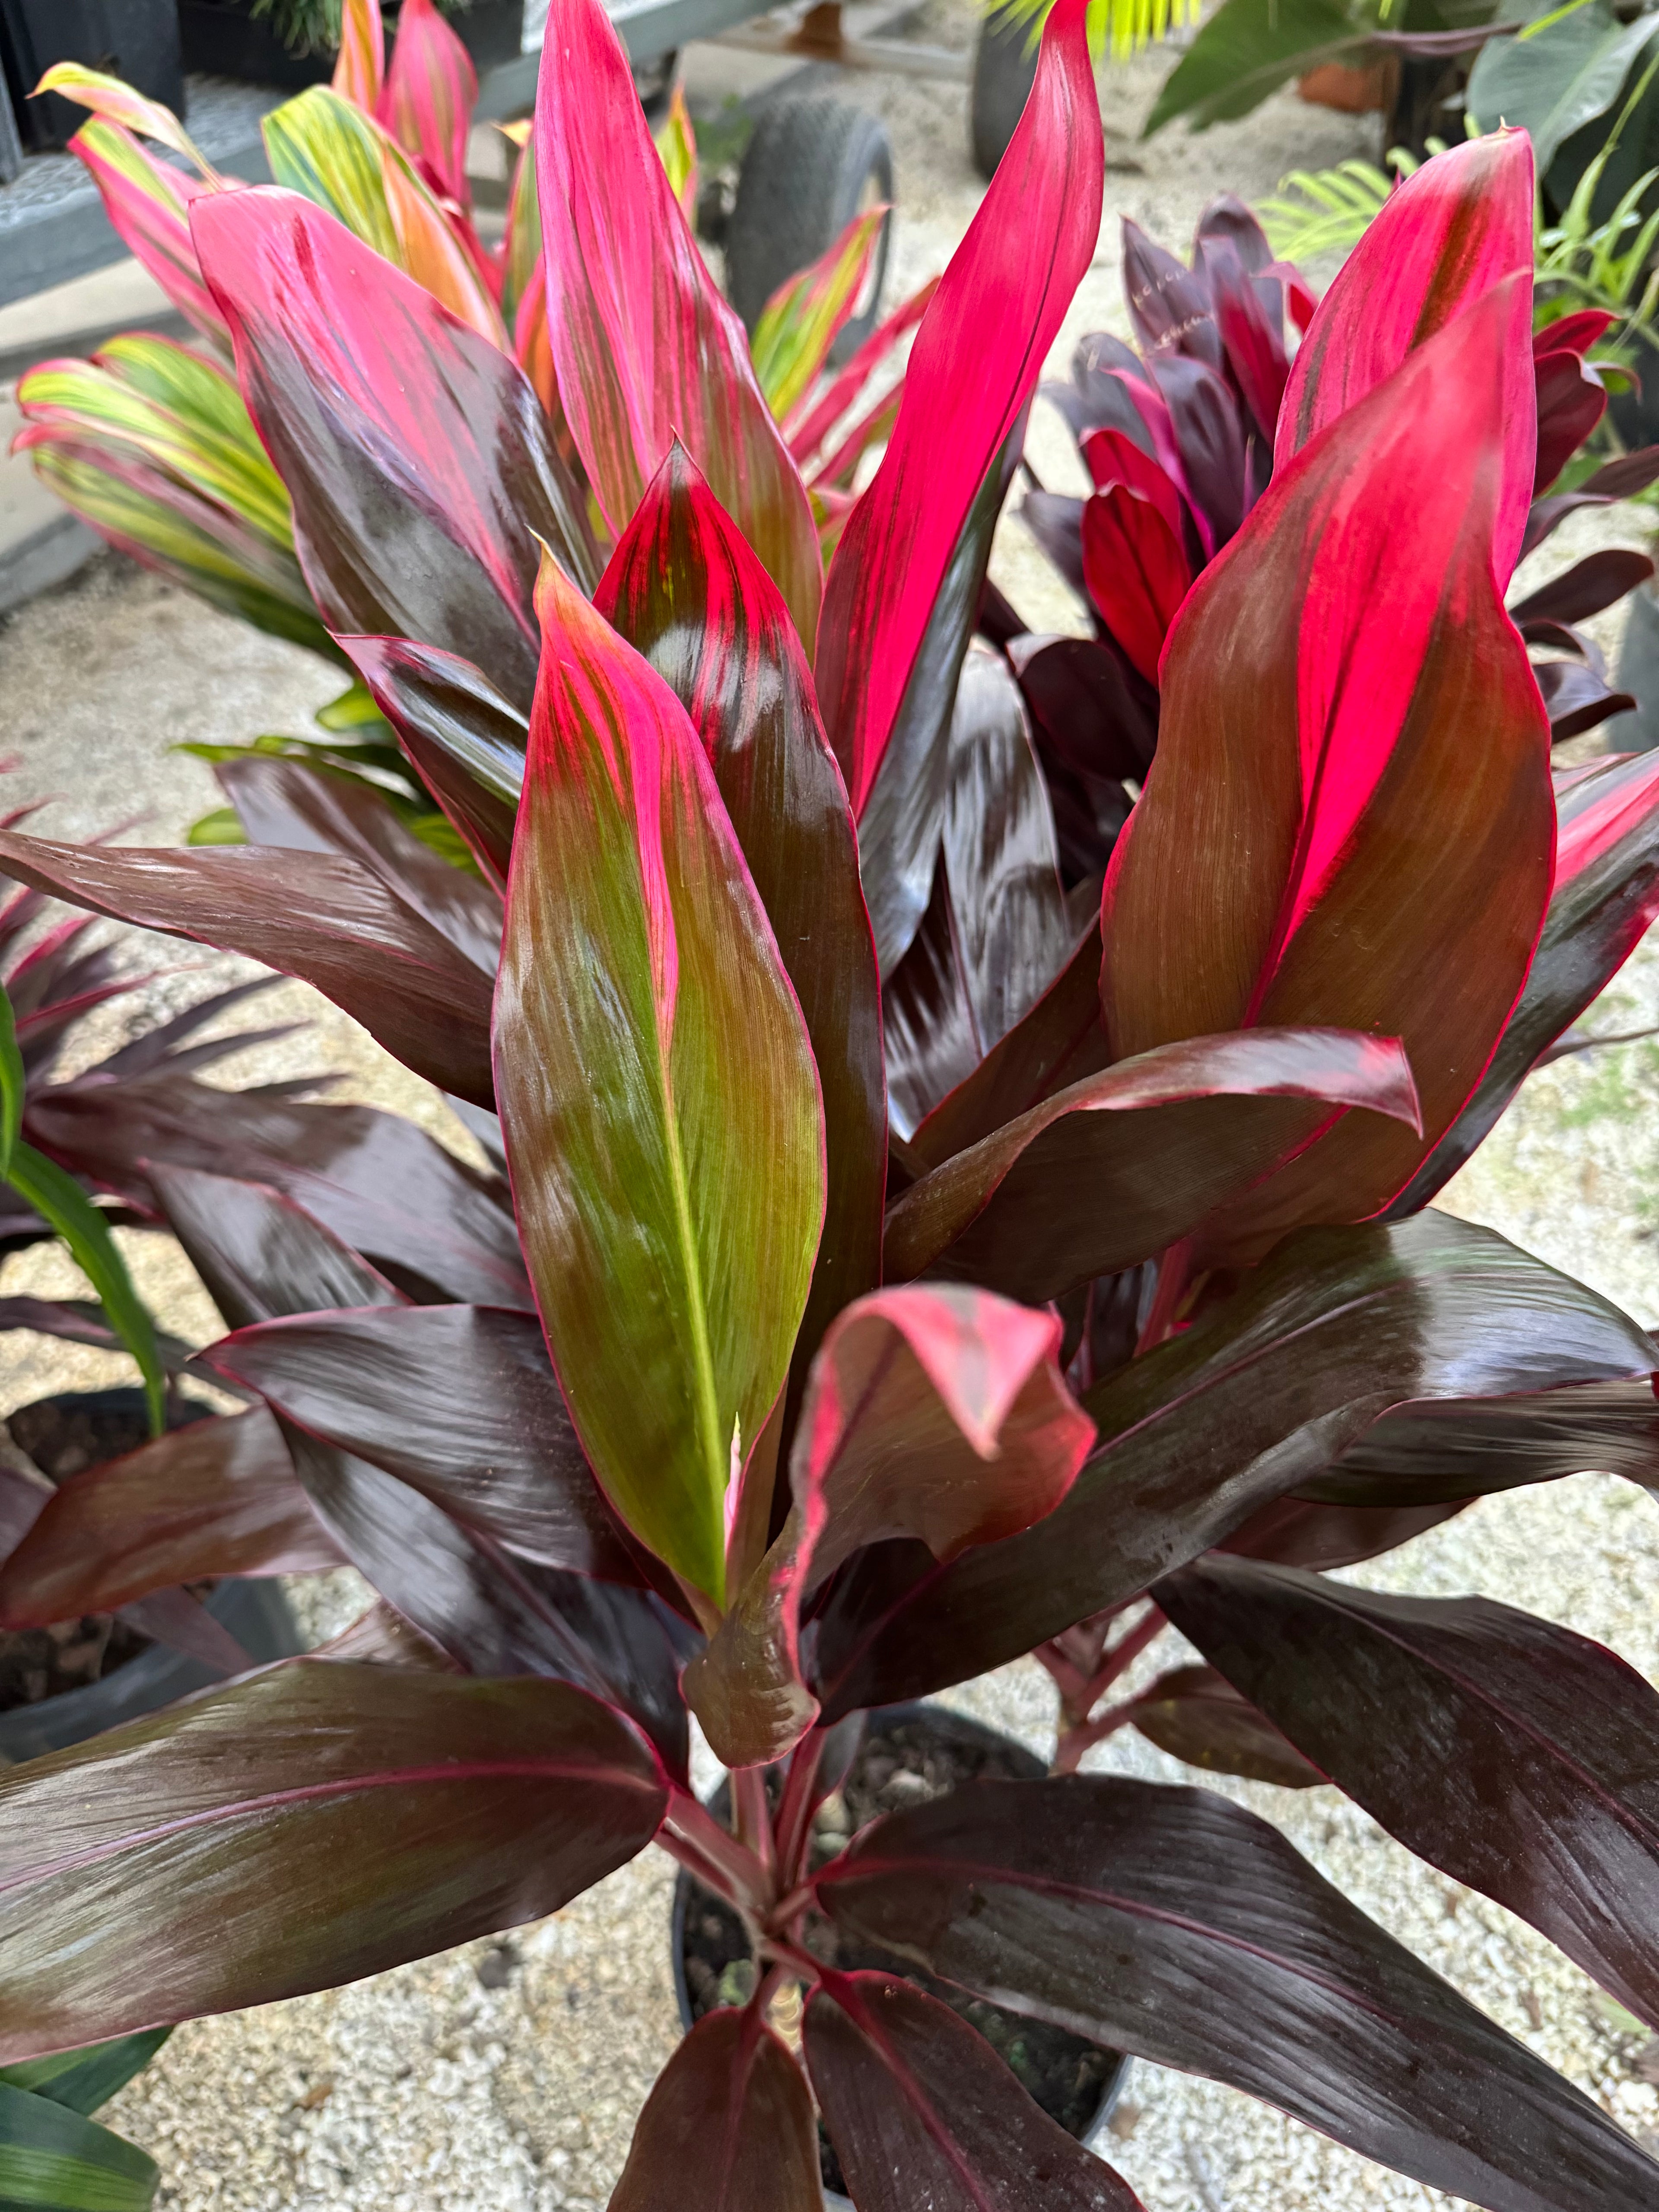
pixel 53 2160
pixel 657 1092
pixel 1248 49
pixel 222 826
pixel 83 2079
pixel 12 1082
pixel 1557 79
pixel 322 146
pixel 58 1199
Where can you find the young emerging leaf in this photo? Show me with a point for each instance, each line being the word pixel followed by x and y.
pixel 658 1095
pixel 644 348
pixel 939 1415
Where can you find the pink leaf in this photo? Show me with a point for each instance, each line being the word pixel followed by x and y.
pixel 1443 238
pixel 998 307
pixel 430 91
pixel 148 204
pixel 1136 572
pixel 644 348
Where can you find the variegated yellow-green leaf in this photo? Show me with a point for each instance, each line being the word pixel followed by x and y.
pixel 803 316
pixel 107 96
pixel 677 142
pixel 657 1092
pixel 175 408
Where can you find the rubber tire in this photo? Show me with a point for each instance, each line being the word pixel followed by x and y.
pixel 800 184
pixel 1004 73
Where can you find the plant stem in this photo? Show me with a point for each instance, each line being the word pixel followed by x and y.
pixel 1077 1731
pixel 1075 1740
pixel 800 1799
pixel 753 1816
pixel 695 1837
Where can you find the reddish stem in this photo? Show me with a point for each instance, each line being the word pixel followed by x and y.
pixel 754 1820
pixel 793 1826
pixel 1075 1740
pixel 1123 1655
pixel 693 1837
pixel 1174 1276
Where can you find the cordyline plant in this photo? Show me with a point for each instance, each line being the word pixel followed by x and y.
pixel 1179 441
pixel 737 1397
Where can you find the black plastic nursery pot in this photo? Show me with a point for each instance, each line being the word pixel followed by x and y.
pixel 909 1754
pixel 224 37
pixel 78 1429
pixel 135 39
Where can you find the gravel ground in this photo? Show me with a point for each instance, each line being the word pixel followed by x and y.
pixel 504 2077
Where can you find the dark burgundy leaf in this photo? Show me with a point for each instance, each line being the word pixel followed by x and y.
pixel 1571 401
pixel 460 1402
pixel 1210 436
pixel 1255 1399
pixel 898 829
pixel 1195 1715
pixel 466 738
pixel 494 1615
pixel 1606 892
pixel 1169 303
pixel 1424 1456
pixel 923 2113
pixel 215 1497
pixel 1512 1754
pixel 1296 1532
pixel 258 1253
pixel 1226 217
pixel 302 809
pixel 329 921
pixel 728 2127
pixel 1588 586
pixel 1055 520
pixel 1621 478
pixel 1178 1926
pixel 1576 698
pixel 417 455
pixel 439 1229
pixel 323 1820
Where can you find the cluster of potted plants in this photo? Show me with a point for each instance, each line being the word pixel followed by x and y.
pixel 944 1212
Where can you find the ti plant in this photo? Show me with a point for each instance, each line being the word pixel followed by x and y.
pixel 734 1396
pixel 1181 439
pixel 54 2156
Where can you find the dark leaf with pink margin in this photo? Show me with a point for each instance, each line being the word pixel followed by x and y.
pixel 1113 1170
pixel 329 921
pixel 1209 436
pixel 1000 304
pixel 1255 1398
pixel 1059 1043
pixel 728 2126
pixel 439 1229
pixel 466 738
pixel 1296 1532
pixel 686 591
pixel 1323 742
pixel 935 1414
pixel 1614 480
pixel 1137 573
pixel 416 456
pixel 215 1498
pixel 459 1402
pixel 1423 1456
pixel 1571 401
pixel 1169 303
pixel 494 1615
pixel 1196 1716
pixel 1511 1753
pixel 1606 894
pixel 921 2111
pixel 291 806
pixel 645 348
pixel 996 933
pixel 1126 1910
pixel 340 1819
